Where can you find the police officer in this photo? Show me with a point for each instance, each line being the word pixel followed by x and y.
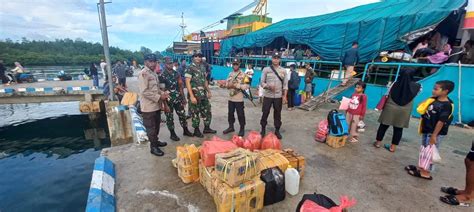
pixel 174 85
pixel 199 95
pixel 275 85
pixel 235 84
pixel 150 99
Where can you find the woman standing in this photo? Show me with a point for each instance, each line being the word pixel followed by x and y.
pixel 397 109
pixel 95 75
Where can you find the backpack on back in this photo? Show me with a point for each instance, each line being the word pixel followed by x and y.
pixel 337 124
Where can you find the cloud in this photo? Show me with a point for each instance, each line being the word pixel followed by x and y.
pixel 135 23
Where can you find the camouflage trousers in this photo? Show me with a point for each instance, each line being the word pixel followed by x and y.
pixel 201 110
pixel 179 108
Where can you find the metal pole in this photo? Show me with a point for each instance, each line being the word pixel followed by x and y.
pixel 105 43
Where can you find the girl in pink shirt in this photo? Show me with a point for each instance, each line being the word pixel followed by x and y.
pixel 356 110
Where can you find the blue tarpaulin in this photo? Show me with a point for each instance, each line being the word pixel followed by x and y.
pixel 377 27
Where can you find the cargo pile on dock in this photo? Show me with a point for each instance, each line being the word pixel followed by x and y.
pixel 239 174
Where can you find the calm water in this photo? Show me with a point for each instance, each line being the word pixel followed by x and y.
pixel 46 161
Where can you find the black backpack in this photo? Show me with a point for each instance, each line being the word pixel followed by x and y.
pixel 274 180
pixel 337 124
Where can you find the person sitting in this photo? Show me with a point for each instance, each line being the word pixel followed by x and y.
pixel 440 57
pixel 17 72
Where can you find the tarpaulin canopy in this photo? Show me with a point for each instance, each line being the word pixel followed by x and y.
pixel 377 27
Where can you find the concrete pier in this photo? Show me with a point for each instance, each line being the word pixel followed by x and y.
pixel 375 177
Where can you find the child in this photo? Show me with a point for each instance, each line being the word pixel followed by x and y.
pixel 356 110
pixel 435 122
pixel 308 79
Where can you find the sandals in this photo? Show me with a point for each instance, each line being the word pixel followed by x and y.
pixel 449 190
pixel 410 168
pixel 453 200
pixel 416 173
pixel 387 147
pixel 377 144
pixel 354 140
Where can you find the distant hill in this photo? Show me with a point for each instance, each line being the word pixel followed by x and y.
pixel 61 52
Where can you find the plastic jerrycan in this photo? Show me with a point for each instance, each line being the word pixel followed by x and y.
pixel 292 181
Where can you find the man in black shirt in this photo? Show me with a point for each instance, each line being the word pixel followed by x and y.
pixel 3 78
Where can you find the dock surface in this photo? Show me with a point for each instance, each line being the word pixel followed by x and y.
pixel 375 177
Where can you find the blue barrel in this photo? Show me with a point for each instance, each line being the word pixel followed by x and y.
pixel 297 100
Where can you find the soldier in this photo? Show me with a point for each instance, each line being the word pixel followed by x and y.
pixel 275 87
pixel 199 95
pixel 150 99
pixel 174 85
pixel 235 84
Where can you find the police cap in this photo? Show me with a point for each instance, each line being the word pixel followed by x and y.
pixel 276 55
pixel 150 57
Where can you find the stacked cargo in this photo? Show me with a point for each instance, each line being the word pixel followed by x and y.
pixel 239 179
pixel 244 24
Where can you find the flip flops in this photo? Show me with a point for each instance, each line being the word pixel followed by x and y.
pixel 453 200
pixel 387 147
pixel 416 173
pixel 410 167
pixel 377 144
pixel 449 190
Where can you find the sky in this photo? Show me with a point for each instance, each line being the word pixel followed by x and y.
pixel 135 23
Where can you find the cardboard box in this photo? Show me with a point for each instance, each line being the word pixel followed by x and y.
pixel 270 158
pixel 188 163
pixel 296 161
pixel 236 167
pixel 336 141
pixel 248 197
pixel 207 178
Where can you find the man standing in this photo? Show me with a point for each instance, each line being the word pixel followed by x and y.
pixel 199 95
pixel 121 71
pixel 275 87
pixel 150 97
pixel 103 64
pixel 235 84
pixel 174 85
pixel 350 59
pixel 3 78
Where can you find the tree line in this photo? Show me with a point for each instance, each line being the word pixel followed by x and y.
pixel 62 52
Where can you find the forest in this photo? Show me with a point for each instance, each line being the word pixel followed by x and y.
pixel 62 52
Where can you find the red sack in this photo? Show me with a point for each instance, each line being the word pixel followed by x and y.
pixel 237 140
pixel 270 141
pixel 322 131
pixel 253 141
pixel 209 149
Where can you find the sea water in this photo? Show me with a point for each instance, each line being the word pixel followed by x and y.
pixel 47 154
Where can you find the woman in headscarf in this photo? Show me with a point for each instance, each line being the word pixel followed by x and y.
pixel 397 109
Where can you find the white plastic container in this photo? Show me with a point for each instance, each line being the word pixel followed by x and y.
pixel 292 181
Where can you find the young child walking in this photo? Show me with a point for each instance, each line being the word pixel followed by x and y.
pixel 356 110
pixel 435 121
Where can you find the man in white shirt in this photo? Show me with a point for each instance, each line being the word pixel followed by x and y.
pixel 103 64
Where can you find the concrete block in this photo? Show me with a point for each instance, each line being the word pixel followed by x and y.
pixel 101 193
pixel 118 120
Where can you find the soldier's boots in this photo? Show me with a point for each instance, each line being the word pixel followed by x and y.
pixel 156 151
pixel 173 136
pixel 186 132
pixel 278 134
pixel 208 130
pixel 242 131
pixel 197 133
pixel 229 130
pixel 263 131
pixel 162 144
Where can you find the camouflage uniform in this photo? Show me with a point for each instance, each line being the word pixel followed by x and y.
pixel 197 74
pixel 176 100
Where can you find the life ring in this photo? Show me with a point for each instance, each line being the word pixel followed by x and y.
pixel 384 59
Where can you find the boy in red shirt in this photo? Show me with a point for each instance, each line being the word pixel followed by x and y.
pixel 356 110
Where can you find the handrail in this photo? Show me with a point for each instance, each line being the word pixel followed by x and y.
pixel 284 60
pixel 399 66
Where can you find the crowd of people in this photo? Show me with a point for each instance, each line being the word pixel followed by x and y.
pixel 170 91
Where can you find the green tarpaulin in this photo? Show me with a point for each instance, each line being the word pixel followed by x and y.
pixel 378 26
